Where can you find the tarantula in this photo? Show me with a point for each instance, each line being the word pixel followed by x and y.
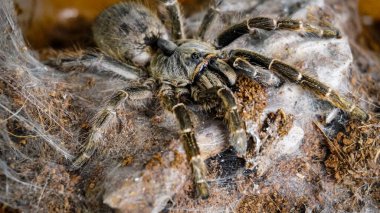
pixel 134 43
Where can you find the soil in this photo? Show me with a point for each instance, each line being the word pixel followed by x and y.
pixel 336 172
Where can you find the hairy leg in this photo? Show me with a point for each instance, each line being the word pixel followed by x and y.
pixel 236 127
pixel 211 14
pixel 188 139
pixel 269 24
pixel 96 61
pixel 172 10
pixel 305 80
pixel 105 117
pixel 256 73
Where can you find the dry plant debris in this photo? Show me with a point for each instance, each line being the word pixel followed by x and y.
pixel 339 174
pixel 252 98
pixel 354 162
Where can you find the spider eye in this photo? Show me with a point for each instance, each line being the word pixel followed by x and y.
pixel 212 61
pixel 195 55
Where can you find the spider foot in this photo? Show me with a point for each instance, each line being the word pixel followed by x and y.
pixel 202 190
pixel 199 172
pixel 238 140
pixel 79 162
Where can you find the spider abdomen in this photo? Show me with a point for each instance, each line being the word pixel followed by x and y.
pixel 126 31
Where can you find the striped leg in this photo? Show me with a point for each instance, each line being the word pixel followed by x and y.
pixel 238 137
pixel 296 76
pixel 173 13
pixel 188 139
pixel 105 117
pixel 269 24
pixel 211 14
pixel 256 73
pixel 98 62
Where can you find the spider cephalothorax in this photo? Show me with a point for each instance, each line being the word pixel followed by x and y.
pixel 184 64
pixel 135 44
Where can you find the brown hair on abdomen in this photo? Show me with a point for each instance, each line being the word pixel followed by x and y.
pixel 126 30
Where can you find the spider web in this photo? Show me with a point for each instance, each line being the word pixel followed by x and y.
pixel 141 166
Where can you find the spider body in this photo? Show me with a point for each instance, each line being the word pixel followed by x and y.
pixel 125 31
pixel 135 44
pixel 179 67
